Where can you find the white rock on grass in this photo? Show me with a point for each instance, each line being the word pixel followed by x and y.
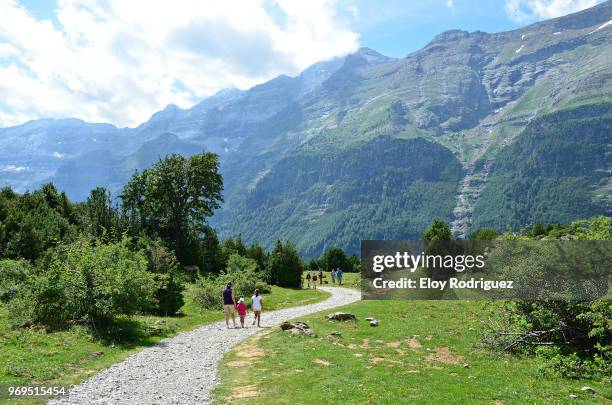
pixel 183 369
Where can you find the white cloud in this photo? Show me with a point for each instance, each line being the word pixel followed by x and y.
pixel 119 61
pixel 523 11
pixel 450 3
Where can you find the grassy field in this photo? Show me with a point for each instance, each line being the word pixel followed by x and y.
pixel 421 352
pixel 31 356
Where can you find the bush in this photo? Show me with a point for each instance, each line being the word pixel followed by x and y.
pixel 285 265
pixel 12 274
pixel 167 274
pixel 208 292
pixel 245 278
pixel 85 281
pixel 577 334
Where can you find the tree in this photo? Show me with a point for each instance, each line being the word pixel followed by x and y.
pixel 285 265
pixel 438 241
pixel 166 272
pixel 335 258
pixel 173 200
pixel 211 252
pixel 439 230
pixel 101 217
pixel 32 223
pixel 257 253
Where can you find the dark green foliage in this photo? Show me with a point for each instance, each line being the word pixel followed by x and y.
pixel 34 222
pixel 335 258
pixel 257 253
pixel 314 264
pixel 484 234
pixel 355 263
pixel 12 274
pixel 438 231
pixel 84 280
pixel 101 218
pixel 211 251
pixel 173 199
pixel 556 171
pixel 167 273
pixel 285 265
pixel 232 246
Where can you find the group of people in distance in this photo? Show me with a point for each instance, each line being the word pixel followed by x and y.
pixel 336 274
pixel 231 306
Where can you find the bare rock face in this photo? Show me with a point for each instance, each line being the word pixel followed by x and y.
pixel 341 316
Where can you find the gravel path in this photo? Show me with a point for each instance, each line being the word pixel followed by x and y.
pixel 183 369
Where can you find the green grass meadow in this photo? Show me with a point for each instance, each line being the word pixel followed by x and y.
pixel 421 352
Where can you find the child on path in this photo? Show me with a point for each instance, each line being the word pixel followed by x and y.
pixel 256 306
pixel 242 311
pixel 333 276
pixel 308 279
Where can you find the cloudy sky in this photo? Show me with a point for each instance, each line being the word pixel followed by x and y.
pixel 119 61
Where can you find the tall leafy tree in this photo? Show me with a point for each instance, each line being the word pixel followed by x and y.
pixel 173 200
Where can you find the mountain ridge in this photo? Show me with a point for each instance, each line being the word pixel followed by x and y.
pixel 473 94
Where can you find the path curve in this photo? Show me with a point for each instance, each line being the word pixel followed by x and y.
pixel 183 369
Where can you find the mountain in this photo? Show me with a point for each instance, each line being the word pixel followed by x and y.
pixel 479 129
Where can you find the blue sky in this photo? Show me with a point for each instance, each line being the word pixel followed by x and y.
pixel 403 29
pixel 119 61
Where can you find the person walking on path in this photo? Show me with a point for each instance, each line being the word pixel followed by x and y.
pixel 320 277
pixel 257 306
pixel 242 311
pixel 339 276
pixel 333 276
pixel 314 280
pixel 308 279
pixel 229 303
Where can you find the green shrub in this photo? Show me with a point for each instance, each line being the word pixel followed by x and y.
pixel 577 334
pixel 167 273
pixel 12 274
pixel 85 281
pixel 242 272
pixel 208 292
pixel 244 276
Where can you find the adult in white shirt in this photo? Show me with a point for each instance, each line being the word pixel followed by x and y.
pixel 256 306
